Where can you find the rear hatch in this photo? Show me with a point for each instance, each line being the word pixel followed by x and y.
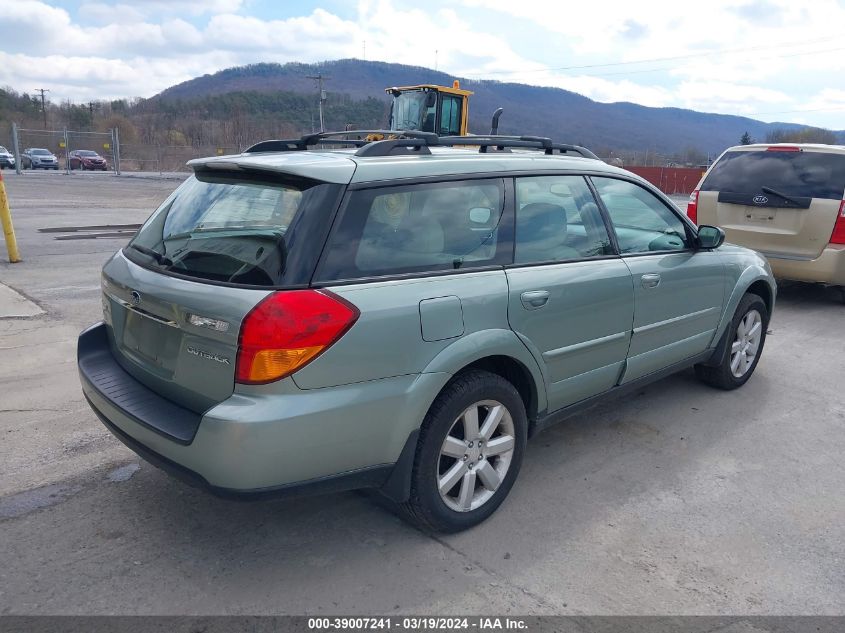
pixel 175 297
pixel 778 199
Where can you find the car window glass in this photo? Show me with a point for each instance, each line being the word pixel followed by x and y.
pixel 557 219
pixel 641 221
pixel 428 227
pixel 234 228
pixel 450 116
pixel 802 174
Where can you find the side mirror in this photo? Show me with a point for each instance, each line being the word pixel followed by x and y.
pixel 710 236
pixel 430 99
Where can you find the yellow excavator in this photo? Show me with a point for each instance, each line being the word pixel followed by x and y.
pixel 430 108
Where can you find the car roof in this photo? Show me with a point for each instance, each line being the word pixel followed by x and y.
pixel 343 166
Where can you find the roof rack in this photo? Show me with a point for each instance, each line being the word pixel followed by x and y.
pixel 502 143
pixel 335 138
pixel 398 142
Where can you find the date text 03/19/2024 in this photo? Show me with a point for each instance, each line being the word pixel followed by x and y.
pixel 422 623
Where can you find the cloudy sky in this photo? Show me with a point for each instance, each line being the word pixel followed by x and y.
pixel 775 60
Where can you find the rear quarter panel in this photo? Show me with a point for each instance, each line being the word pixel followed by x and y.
pixel 387 340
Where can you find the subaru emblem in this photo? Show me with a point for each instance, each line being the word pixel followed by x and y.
pixel 760 199
pixel 136 297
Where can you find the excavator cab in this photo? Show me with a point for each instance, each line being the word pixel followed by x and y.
pixel 430 108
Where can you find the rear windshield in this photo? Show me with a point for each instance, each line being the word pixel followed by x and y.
pixel 801 174
pixel 236 229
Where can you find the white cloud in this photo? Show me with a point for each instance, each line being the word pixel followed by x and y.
pixel 125 48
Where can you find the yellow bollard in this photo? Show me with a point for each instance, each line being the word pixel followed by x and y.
pixel 6 221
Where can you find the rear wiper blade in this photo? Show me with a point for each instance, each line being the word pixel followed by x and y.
pixel 162 259
pixel 772 192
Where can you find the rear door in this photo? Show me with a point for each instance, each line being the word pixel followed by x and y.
pixel 741 194
pixel 570 297
pixel 678 290
pixel 175 297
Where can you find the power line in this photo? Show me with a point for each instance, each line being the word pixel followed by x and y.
pixel 709 53
pixel 836 109
pixel 663 68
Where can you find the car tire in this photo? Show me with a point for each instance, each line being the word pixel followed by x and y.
pixel 480 481
pixel 746 338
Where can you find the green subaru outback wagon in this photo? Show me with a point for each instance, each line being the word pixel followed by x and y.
pixel 403 314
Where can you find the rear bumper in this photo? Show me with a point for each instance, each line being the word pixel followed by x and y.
pixel 828 268
pixel 300 442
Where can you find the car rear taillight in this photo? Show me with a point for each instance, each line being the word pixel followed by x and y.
pixel 783 148
pixel 838 235
pixel 289 329
pixel 692 207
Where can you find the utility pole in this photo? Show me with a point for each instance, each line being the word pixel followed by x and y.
pixel 320 79
pixel 43 104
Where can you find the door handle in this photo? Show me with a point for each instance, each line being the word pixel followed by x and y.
pixel 650 280
pixel 533 299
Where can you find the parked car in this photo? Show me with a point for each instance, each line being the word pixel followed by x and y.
pixel 7 159
pixel 38 158
pixel 403 316
pixel 786 201
pixel 86 159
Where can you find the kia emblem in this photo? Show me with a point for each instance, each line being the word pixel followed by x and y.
pixel 760 199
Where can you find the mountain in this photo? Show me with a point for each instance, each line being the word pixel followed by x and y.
pixel 563 115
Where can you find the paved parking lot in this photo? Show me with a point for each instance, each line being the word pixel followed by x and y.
pixel 678 500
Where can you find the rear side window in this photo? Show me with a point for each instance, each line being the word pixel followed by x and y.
pixel 238 229
pixel 801 174
pixel 450 116
pixel 557 219
pixel 426 227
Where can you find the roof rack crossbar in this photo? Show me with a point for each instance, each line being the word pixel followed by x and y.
pixel 395 146
pixel 308 140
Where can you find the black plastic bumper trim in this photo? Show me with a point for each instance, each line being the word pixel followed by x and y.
pixel 98 367
pixel 370 477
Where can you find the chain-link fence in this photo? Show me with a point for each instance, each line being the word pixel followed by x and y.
pixel 72 149
pixel 66 145
pixel 166 158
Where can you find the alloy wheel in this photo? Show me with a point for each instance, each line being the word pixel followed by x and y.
pixel 746 344
pixel 476 455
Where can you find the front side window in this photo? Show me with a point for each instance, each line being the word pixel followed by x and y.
pixel 236 229
pixel 557 219
pixel 426 227
pixel 643 223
